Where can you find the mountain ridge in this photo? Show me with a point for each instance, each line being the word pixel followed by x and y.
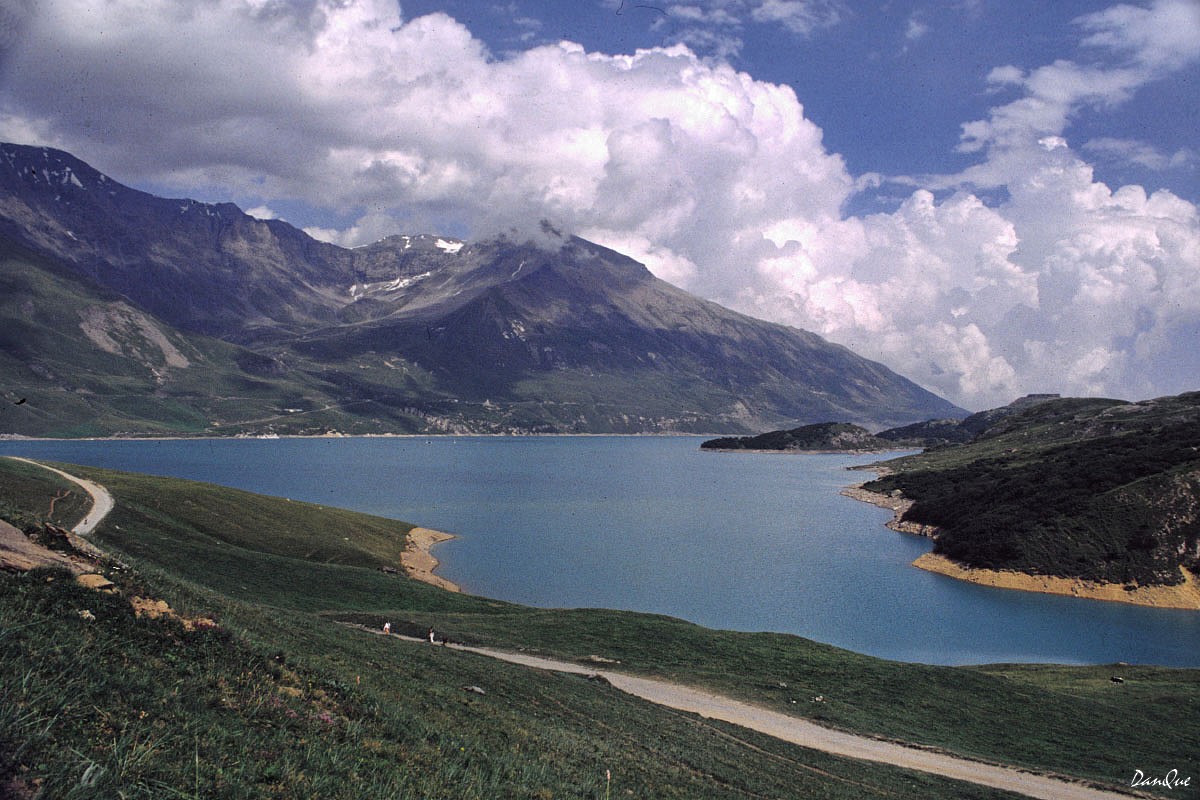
pixel 412 333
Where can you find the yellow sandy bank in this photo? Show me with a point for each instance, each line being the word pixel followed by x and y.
pixel 1185 595
pixel 419 562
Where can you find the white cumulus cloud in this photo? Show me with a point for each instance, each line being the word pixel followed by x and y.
pixel 1140 153
pixel 717 181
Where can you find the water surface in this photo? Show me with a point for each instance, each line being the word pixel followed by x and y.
pixel 730 540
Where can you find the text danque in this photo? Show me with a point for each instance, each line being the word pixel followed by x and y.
pixel 1171 780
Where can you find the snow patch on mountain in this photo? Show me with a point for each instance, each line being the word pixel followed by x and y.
pixel 359 290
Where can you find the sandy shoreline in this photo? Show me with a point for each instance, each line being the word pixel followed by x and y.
pixel 1185 595
pixel 418 560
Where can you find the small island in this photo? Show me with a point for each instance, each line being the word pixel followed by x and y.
pixel 823 437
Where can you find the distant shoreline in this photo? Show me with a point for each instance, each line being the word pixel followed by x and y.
pixel 18 437
pixel 1182 596
pixel 418 559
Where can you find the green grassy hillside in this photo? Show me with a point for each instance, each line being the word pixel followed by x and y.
pixel 279 699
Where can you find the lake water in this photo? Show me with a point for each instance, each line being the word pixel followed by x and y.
pixel 739 541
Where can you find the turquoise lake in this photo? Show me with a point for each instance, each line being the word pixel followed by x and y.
pixel 740 541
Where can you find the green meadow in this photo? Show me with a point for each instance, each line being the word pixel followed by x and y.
pixel 279 697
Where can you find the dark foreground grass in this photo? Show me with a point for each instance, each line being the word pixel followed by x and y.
pixel 298 705
pixel 292 707
pixel 1070 720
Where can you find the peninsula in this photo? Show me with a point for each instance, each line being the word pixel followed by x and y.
pixel 418 559
pixel 1091 498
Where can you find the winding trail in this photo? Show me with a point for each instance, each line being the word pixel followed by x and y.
pixel 808 734
pixel 102 501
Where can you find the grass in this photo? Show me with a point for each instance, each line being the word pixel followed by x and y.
pixel 282 701
pixel 279 527
pixel 151 711
pixel 1076 721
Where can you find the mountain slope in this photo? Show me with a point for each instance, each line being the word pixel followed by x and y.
pixel 76 361
pixel 598 343
pixel 204 268
pixel 421 333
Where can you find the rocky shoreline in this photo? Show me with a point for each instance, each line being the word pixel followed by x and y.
pixel 897 504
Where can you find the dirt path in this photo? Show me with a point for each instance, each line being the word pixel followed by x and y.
pixel 102 501
pixel 807 734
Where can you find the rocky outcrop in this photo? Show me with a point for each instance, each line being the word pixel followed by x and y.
pixel 898 504
pixel 20 554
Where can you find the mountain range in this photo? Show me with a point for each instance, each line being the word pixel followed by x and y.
pixel 126 313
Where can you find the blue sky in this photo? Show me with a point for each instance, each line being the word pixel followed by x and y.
pixel 992 197
pixel 889 83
